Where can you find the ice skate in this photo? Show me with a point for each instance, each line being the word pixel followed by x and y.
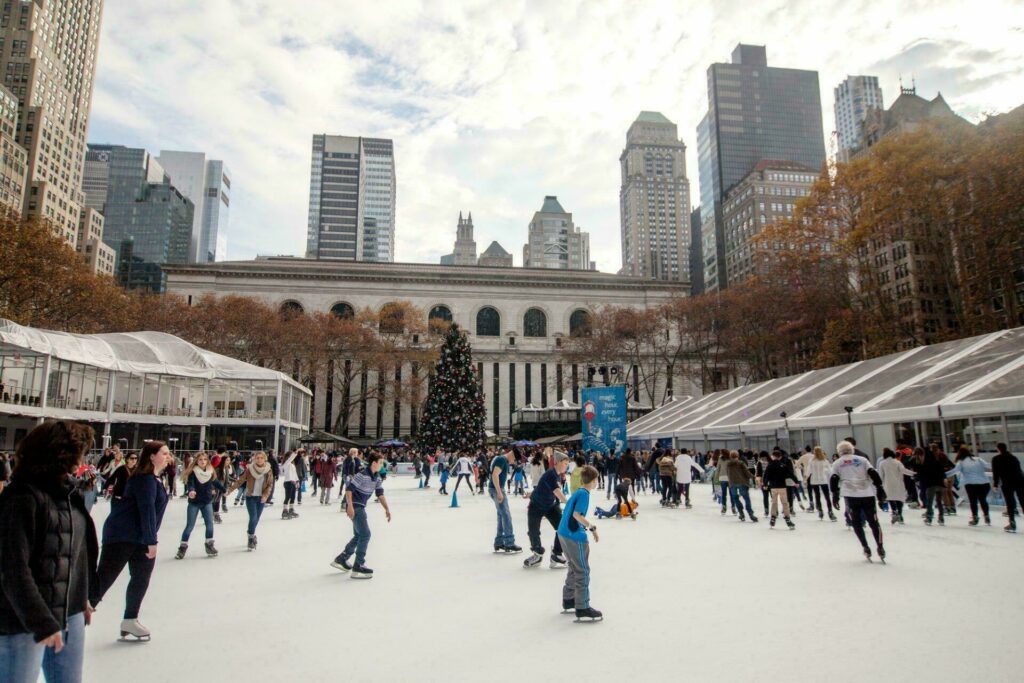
pixel 210 550
pixel 134 632
pixel 789 523
pixel 292 513
pixel 568 606
pixel 1010 528
pixel 771 523
pixel 252 542
pixel 216 518
pixel 285 515
pixel 821 516
pixel 881 554
pixel 557 562
pixel 532 561
pixel 360 571
pixel 588 614
pixel 688 506
pixel 867 554
pixel 742 518
pixel 341 562
pixel 973 521
pixel 753 519
pixel 831 517
pixel 512 549
pixel 182 549
pixel 988 521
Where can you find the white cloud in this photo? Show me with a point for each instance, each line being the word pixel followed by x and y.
pixel 493 105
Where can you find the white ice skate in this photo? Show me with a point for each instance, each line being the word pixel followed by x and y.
pixel 134 632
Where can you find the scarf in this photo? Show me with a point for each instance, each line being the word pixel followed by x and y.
pixel 203 476
pixel 258 472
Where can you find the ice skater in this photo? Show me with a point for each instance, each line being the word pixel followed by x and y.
pixel 892 472
pixel 504 538
pixel 685 465
pixel 572 533
pixel 776 475
pixel 357 494
pixel 463 470
pixel 859 483
pixel 258 482
pixel 545 504
pixel 201 485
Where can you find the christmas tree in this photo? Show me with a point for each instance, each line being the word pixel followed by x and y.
pixel 453 415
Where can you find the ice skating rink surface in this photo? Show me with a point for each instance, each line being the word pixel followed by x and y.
pixel 686 594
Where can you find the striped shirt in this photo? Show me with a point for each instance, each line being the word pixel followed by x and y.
pixel 363 485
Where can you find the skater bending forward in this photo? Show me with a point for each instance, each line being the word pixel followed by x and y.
pixel 357 493
pixel 572 533
pixel 859 483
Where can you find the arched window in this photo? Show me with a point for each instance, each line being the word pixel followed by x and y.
pixel 488 323
pixel 392 318
pixel 343 310
pixel 535 323
pixel 439 318
pixel 579 324
pixel 291 309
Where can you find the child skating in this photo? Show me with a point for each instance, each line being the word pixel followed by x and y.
pixel 572 534
pixel 357 494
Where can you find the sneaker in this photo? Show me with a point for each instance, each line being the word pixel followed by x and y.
pixel 532 561
pixel 341 562
pixel 361 571
pixel 557 562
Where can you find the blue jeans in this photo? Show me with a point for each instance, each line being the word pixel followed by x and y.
pixel 191 513
pixel 727 490
pixel 742 493
pixel 505 535
pixel 22 658
pixel 254 505
pixel 360 536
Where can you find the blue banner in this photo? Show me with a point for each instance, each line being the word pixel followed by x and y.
pixel 603 413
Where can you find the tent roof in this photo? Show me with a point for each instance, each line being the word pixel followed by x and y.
pixel 138 352
pixel 977 375
pixel 320 436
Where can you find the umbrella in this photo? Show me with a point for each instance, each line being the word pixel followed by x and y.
pixel 524 442
pixel 392 443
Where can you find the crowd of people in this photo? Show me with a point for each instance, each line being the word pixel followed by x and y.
pixel 57 568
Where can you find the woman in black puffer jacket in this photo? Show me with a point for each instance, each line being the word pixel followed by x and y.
pixel 48 556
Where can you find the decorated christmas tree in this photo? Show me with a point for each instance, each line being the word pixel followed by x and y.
pixel 453 415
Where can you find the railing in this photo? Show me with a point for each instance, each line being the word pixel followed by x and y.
pixel 20 398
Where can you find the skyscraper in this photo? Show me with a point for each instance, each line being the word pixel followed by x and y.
pixel 48 59
pixel 755 112
pixel 854 97
pixel 12 155
pixel 554 241
pixel 207 183
pixel 147 221
pixel 351 199
pixel 654 201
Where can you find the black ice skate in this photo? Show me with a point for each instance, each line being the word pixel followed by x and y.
pixel 182 549
pixel 210 550
pixel 341 562
pixel 362 572
pixel 512 549
pixel 252 542
pixel 216 518
pixel 790 524
pixel 867 553
pixel 588 614
pixel 568 606
pixel 134 632
pixel 771 523
pixel 881 554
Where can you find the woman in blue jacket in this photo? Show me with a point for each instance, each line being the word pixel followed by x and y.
pixel 201 487
pixel 973 476
pixel 129 536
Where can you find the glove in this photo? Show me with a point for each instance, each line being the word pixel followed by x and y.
pixel 880 493
pixel 835 500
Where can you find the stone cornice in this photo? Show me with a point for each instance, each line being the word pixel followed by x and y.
pixel 416 273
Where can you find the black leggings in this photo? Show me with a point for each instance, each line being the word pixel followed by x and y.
pixel 820 491
pixel 112 561
pixel 289 493
pixel 897 507
pixel 863 510
pixel 459 481
pixel 667 487
pixel 978 493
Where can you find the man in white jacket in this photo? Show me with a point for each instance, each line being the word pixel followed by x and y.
pixel 684 475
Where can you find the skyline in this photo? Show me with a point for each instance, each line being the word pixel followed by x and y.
pixel 492 109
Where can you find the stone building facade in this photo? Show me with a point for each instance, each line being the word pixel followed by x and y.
pixel 517 319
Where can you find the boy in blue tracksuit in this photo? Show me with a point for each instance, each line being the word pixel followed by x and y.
pixel 572 534
pixel 357 493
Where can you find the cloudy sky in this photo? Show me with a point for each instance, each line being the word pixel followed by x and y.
pixel 494 104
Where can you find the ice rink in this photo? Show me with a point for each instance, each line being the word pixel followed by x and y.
pixel 687 595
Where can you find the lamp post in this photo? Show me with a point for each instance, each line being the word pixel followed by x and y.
pixel 785 421
pixel 849 416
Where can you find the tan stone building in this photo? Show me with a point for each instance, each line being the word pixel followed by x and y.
pixel 517 319
pixel 48 60
pixel 767 194
pixel 12 155
pixel 654 201
pixel 99 255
